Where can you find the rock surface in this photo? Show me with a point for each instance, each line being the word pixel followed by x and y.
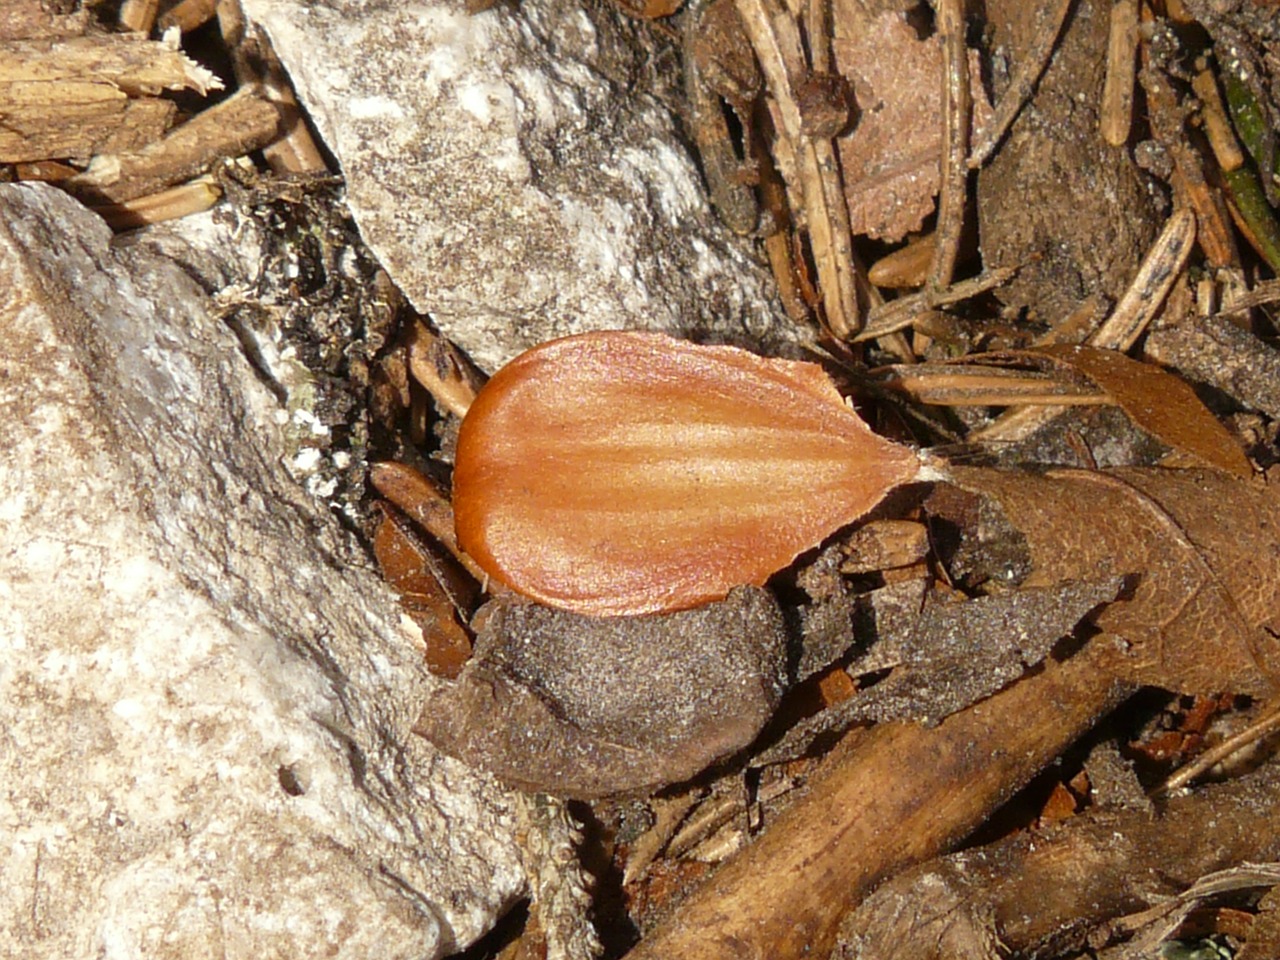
pixel 518 172
pixel 204 693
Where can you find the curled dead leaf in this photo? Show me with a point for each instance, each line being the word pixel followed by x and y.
pixel 1200 550
pixel 620 473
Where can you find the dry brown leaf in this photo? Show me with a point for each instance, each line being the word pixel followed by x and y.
pixel 409 566
pixel 1200 548
pixel 953 654
pixel 891 159
pixel 1159 402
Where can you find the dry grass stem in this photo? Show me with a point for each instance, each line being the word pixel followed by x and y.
pixel 436 365
pixel 293 150
pixel 906 311
pixel 423 503
pixel 1018 423
pixel 775 38
pixel 817 27
pixel 1216 125
pixel 777 247
pixel 195 196
pixel 947 385
pixel 1264 726
pixel 955 140
pixel 1117 91
pixel 1023 82
pixel 1263 292
pixel 1140 303
pixel 1164 113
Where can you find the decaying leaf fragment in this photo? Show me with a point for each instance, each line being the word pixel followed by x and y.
pixel 589 706
pixel 424 585
pixel 892 159
pixel 622 473
pixel 947 655
pixel 952 654
pixel 1199 549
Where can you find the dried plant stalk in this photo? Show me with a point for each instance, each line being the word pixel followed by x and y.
pixel 255 64
pixel 180 201
pixel 903 312
pixel 1160 268
pixel 955 140
pixel 1165 114
pixel 954 385
pixel 436 365
pixel 776 41
pixel 1117 91
pixel 1042 893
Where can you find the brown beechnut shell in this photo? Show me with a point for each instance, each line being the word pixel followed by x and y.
pixel 621 473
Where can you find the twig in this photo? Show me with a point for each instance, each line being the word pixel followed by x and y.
pixel 1263 292
pixel 255 64
pixel 870 811
pixel 776 41
pixel 1190 189
pixel 1061 887
pixel 1265 725
pixel 417 496
pixel 817 25
pixel 955 139
pixel 1117 91
pixel 436 365
pixel 240 124
pixel 903 312
pixel 1161 267
pixel 194 196
pixel 1023 82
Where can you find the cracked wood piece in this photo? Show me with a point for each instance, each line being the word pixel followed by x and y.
pixel 240 124
pixel 87 95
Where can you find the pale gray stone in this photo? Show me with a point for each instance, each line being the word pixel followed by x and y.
pixel 521 172
pixel 205 693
